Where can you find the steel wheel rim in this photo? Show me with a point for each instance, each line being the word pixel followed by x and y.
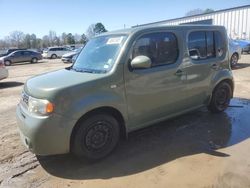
pixel 222 98
pixel 98 136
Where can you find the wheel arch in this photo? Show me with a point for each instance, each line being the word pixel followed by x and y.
pixel 107 110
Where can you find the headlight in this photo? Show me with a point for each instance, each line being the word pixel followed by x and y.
pixel 40 106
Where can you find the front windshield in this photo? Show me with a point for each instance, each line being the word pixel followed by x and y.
pixel 99 54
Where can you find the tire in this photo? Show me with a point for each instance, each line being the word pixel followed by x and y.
pixel 34 60
pixel 7 63
pixel 95 137
pixel 220 98
pixel 53 56
pixel 234 59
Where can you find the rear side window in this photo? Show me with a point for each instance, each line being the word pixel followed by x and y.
pixel 220 44
pixel 161 48
pixel 201 44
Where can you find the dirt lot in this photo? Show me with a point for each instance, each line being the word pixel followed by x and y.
pixel 195 150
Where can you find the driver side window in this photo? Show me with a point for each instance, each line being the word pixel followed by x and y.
pixel 161 48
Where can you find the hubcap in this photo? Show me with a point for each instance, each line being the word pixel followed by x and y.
pixel 7 63
pixel 98 135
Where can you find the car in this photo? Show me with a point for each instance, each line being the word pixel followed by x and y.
pixel 21 56
pixel 55 52
pixel 123 81
pixel 3 71
pixel 234 52
pixel 7 52
pixel 245 45
pixel 67 58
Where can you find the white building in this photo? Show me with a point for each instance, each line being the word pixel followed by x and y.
pixel 236 20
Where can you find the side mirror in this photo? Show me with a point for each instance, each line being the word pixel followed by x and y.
pixel 141 62
pixel 194 54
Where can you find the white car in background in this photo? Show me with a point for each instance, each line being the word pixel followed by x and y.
pixel 234 52
pixel 3 71
pixel 55 52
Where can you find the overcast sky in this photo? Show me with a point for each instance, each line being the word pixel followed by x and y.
pixel 40 16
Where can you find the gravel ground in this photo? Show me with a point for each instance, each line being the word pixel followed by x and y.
pixel 198 149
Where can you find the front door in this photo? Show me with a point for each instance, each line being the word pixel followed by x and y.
pixel 159 91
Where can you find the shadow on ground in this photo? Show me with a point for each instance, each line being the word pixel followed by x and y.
pixel 10 84
pixel 194 133
pixel 241 66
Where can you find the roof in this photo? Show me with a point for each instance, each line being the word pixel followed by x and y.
pixel 150 27
pixel 203 14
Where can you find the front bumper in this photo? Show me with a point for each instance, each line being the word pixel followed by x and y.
pixel 47 135
pixel 45 55
pixel 67 59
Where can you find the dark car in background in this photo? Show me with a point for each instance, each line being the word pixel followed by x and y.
pixel 21 56
pixel 7 52
pixel 68 57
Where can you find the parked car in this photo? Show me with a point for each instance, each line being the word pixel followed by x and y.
pixel 244 44
pixel 55 52
pixel 21 56
pixel 234 52
pixel 3 71
pixel 10 51
pixel 67 58
pixel 123 81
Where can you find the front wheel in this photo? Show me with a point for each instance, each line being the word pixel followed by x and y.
pixel 220 98
pixel 95 137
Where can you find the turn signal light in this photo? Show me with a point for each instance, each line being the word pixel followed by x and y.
pixel 49 108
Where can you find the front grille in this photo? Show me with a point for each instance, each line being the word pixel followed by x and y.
pixel 25 99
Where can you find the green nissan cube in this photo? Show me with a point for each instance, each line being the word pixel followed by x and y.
pixel 123 81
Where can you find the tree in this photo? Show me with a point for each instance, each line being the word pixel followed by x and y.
pixel 26 41
pixel 77 38
pixel 70 39
pixel 16 38
pixel 63 39
pixel 90 31
pixel 84 39
pixel 52 37
pixel 208 10
pixel 198 11
pixel 46 41
pixel 33 41
pixel 95 29
pixel 99 28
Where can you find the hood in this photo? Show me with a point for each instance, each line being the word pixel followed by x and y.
pixel 49 84
pixel 69 54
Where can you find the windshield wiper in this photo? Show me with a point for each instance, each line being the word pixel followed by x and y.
pixel 87 70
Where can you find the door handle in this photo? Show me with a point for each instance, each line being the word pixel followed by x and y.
pixel 179 72
pixel 214 66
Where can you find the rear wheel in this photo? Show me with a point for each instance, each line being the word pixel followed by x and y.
pixel 220 98
pixel 53 56
pixel 7 63
pixel 234 59
pixel 34 60
pixel 95 137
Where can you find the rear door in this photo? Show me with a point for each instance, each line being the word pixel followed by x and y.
pixel 206 52
pixel 159 91
pixel 26 56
